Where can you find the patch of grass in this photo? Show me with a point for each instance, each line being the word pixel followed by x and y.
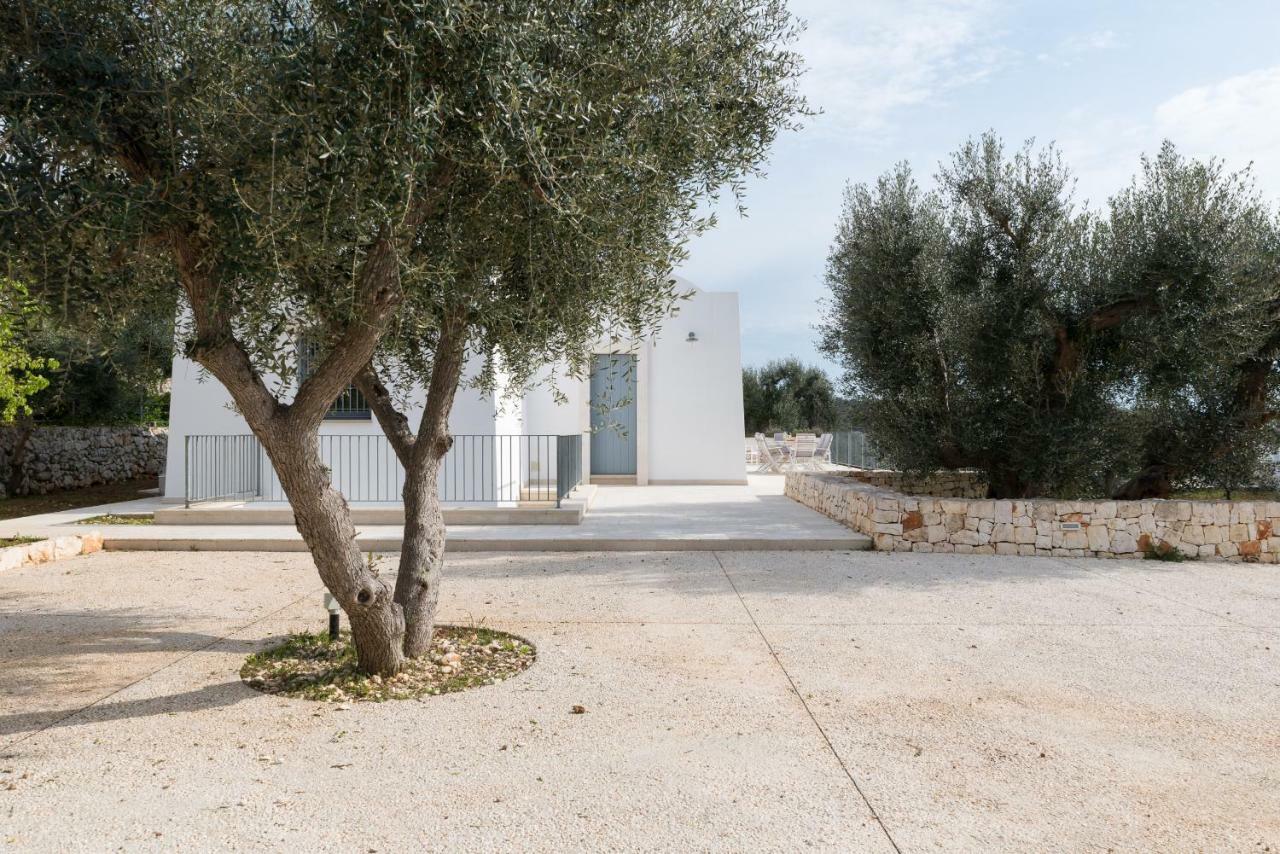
pixel 5 542
pixel 1165 552
pixel 119 519
pixel 307 666
pixel 71 499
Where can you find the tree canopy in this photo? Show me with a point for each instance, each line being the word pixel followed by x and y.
pixel 995 324
pixel 405 184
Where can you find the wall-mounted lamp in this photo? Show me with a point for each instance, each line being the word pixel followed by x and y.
pixel 693 338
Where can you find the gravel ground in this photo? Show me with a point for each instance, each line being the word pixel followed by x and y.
pixel 728 701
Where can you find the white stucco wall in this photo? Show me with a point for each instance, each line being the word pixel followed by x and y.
pixel 200 405
pixel 695 394
pixel 689 405
pixel 689 396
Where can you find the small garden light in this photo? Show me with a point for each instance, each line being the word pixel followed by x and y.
pixel 334 609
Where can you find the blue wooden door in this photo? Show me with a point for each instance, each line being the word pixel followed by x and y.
pixel 613 414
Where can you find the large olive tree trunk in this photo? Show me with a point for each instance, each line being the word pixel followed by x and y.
pixel 289 433
pixel 421 557
pixel 422 553
pixel 324 520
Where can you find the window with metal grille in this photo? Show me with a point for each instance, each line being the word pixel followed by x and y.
pixel 350 405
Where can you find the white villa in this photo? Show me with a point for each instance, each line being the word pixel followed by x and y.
pixel 663 410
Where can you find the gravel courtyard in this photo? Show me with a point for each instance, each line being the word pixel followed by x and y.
pixel 734 700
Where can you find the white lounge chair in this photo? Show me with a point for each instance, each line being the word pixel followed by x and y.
pixel 822 454
pixel 806 446
pixel 771 458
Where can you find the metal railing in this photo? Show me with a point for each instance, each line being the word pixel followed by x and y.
pixel 850 448
pixel 363 467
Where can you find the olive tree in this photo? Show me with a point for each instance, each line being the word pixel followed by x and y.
pixel 786 394
pixel 1205 365
pixel 401 181
pixel 539 269
pixel 995 324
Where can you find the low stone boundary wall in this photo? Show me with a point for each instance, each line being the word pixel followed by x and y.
pixel 1210 530
pixel 54 548
pixel 73 457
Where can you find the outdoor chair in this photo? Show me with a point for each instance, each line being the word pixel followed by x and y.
pixel 822 454
pixel 771 459
pixel 805 448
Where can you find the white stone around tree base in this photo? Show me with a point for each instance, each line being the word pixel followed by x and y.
pixel 56 548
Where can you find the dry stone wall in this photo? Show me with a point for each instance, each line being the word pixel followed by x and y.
pixel 73 457
pixel 1210 530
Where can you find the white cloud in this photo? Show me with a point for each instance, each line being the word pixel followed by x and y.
pixel 1237 119
pixel 1076 47
pixel 868 58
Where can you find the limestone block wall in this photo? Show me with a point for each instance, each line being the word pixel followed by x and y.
pixel 72 457
pixel 1210 530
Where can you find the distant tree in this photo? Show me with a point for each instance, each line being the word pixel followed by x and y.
pixel 754 407
pixel 112 367
pixel 994 325
pixel 786 395
pixel 22 375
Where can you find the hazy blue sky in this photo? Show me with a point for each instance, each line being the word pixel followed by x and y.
pixel 910 79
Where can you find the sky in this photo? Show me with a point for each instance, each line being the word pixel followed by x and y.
pixel 912 79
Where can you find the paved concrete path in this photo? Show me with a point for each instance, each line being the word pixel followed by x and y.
pixel 735 701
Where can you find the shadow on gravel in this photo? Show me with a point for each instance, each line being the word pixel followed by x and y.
pixel 209 697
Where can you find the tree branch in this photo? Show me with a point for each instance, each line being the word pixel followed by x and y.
pixel 216 347
pixel 1113 314
pixel 379 291
pixel 393 422
pixel 446 373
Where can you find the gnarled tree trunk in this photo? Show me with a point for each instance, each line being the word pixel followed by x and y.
pixel 422 551
pixel 289 434
pixel 421 557
pixel 18 459
pixel 1154 481
pixel 324 520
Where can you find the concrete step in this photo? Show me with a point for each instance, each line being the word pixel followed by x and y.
pixel 463 543
pixel 524 514
pixel 259 513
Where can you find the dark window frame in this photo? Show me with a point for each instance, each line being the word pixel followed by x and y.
pixel 350 405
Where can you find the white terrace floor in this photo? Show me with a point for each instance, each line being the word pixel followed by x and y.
pixel 621 518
